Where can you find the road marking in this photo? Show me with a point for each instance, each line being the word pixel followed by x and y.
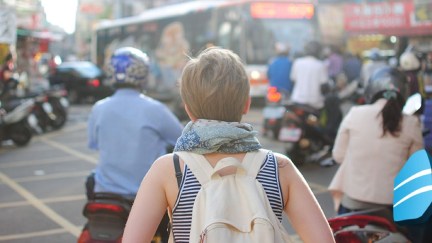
pixel 68 226
pixel 46 200
pixel 32 234
pixel 70 151
pixel 37 162
pixel 14 204
pixel 53 176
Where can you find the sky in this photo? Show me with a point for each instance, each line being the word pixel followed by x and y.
pixel 61 13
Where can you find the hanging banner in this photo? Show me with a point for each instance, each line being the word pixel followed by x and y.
pixel 8 27
pixel 394 18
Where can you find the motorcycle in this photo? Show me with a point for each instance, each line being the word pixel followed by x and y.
pixel 50 108
pixel 107 214
pixel 274 111
pixel 374 225
pixel 304 136
pixel 17 121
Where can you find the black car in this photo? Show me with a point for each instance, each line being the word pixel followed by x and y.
pixel 83 81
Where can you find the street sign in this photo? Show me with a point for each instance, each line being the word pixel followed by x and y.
pixel 8 26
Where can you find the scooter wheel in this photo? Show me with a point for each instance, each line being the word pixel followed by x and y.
pixel 60 117
pixel 20 135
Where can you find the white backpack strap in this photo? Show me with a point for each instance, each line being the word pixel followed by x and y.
pixel 198 164
pixel 253 161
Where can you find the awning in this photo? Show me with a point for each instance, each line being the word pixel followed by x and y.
pixel 45 35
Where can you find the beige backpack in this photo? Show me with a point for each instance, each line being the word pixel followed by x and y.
pixel 235 207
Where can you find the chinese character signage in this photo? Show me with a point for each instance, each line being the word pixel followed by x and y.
pixel 391 17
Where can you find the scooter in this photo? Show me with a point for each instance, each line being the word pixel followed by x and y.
pixel 366 226
pixel 274 111
pixel 17 121
pixel 107 214
pixel 303 134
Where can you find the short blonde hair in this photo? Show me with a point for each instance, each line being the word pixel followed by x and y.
pixel 215 85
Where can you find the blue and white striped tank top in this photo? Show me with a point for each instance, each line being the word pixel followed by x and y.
pixel 182 212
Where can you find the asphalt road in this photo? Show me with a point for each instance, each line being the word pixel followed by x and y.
pixel 42 184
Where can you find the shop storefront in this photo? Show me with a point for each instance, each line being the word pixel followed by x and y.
pixel 389 25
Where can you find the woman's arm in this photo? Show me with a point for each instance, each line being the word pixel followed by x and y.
pixel 301 206
pixel 149 206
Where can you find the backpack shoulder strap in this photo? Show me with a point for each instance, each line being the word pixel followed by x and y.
pixel 177 169
pixel 198 164
pixel 253 161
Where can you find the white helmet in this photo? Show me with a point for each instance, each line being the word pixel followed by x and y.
pixel 408 61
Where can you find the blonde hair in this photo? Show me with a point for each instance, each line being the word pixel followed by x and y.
pixel 215 85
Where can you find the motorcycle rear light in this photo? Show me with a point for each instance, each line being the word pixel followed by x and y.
pixel 84 237
pixel 361 221
pixel 273 95
pixel 97 207
pixel 272 121
pixel 94 83
pixel 299 112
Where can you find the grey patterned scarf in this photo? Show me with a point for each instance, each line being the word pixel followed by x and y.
pixel 209 136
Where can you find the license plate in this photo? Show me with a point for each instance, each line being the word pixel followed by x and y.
pixel 64 102
pixel 47 107
pixel 290 134
pixel 275 112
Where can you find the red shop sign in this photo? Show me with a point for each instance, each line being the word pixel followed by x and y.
pixel 383 17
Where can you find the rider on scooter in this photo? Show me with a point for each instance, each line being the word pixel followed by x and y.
pixel 129 129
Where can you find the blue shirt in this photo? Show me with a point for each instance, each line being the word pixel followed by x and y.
pixel 131 131
pixel 278 73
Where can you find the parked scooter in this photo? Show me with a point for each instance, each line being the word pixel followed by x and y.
pixel 366 226
pixel 17 121
pixel 50 108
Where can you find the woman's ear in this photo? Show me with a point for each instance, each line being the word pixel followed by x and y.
pixel 192 117
pixel 247 106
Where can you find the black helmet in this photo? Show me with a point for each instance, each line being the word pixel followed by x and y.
pixel 313 48
pixel 386 78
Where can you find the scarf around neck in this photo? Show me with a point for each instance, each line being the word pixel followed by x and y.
pixel 210 136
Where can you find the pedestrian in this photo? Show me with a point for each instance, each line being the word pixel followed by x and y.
pixel 371 155
pixel 375 62
pixel 334 62
pixel 215 89
pixel 352 67
pixel 279 70
pixel 410 64
pixel 309 74
pixel 129 129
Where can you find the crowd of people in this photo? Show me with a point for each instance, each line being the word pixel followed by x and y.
pixel 215 90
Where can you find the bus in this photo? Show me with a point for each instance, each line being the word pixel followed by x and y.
pixel 170 35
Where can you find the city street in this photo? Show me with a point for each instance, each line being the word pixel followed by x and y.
pixel 42 184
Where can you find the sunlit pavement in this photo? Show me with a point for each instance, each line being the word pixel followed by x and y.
pixel 42 184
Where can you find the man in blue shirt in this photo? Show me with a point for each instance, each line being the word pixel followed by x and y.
pixel 279 70
pixel 129 129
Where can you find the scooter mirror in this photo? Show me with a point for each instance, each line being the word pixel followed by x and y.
pixel 412 104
